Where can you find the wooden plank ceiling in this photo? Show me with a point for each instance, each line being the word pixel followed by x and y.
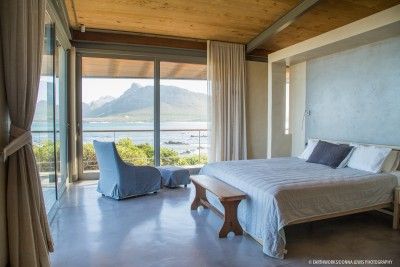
pixel 325 16
pixel 236 21
pixel 94 67
pixel 232 20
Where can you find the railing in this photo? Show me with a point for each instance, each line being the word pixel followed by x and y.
pixel 183 144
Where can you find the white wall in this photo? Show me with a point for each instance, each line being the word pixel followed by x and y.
pixel 256 109
pixel 297 87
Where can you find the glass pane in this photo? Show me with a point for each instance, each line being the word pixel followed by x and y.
pixel 43 122
pixel 183 114
pixel 61 116
pixel 118 105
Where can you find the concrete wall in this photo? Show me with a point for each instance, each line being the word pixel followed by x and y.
pixel 354 95
pixel 3 141
pixel 377 27
pixel 297 87
pixel 256 109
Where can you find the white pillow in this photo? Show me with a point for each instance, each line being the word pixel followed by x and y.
pixel 391 162
pixel 312 143
pixel 368 158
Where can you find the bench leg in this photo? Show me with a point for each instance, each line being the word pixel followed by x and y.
pixel 396 205
pixel 231 222
pixel 200 194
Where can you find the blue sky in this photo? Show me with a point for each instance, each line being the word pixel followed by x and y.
pixel 94 88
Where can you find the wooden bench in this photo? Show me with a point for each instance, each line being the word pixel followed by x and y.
pixel 229 197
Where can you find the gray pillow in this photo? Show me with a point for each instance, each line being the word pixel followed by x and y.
pixel 329 154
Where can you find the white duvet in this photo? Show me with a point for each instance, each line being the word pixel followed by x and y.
pixel 282 190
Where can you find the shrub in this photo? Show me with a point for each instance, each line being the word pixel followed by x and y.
pixel 141 154
pixel 44 154
pixel 89 157
pixel 168 156
pixel 192 160
pixel 131 153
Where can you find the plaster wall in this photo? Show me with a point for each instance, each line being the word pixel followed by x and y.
pixel 354 95
pixel 256 109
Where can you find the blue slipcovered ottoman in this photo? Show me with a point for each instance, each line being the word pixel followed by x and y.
pixel 173 176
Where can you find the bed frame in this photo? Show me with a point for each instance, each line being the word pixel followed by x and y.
pixel 381 208
pixel 395 204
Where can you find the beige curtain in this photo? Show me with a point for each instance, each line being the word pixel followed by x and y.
pixel 22 27
pixel 226 75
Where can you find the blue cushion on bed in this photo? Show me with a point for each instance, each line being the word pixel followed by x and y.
pixel 329 154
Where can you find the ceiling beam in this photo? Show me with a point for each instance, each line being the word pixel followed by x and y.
pixel 119 38
pixel 280 24
pixel 133 39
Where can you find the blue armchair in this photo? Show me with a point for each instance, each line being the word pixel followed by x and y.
pixel 121 180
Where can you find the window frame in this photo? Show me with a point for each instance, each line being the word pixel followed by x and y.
pixel 156 55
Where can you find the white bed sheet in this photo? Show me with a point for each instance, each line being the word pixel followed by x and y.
pixel 282 190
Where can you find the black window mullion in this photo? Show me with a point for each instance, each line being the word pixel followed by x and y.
pixel 53 45
pixel 157 112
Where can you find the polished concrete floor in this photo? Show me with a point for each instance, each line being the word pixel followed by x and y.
pixel 160 230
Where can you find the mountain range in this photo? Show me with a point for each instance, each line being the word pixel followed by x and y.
pixel 137 103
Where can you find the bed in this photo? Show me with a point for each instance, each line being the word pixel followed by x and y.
pixel 284 191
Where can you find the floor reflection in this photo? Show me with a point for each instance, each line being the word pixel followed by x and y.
pixel 161 230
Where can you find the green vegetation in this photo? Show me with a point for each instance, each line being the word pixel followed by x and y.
pixel 44 154
pixel 141 154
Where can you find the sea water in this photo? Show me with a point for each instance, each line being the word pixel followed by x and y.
pixel 184 137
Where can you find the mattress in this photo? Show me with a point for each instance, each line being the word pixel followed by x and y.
pixel 283 190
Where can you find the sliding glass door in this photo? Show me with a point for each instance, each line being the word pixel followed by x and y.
pixel 49 127
pixel 117 104
pixel 60 113
pixel 43 121
pixel 183 113
pixel 155 111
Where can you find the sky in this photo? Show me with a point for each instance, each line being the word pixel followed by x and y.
pixel 94 88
